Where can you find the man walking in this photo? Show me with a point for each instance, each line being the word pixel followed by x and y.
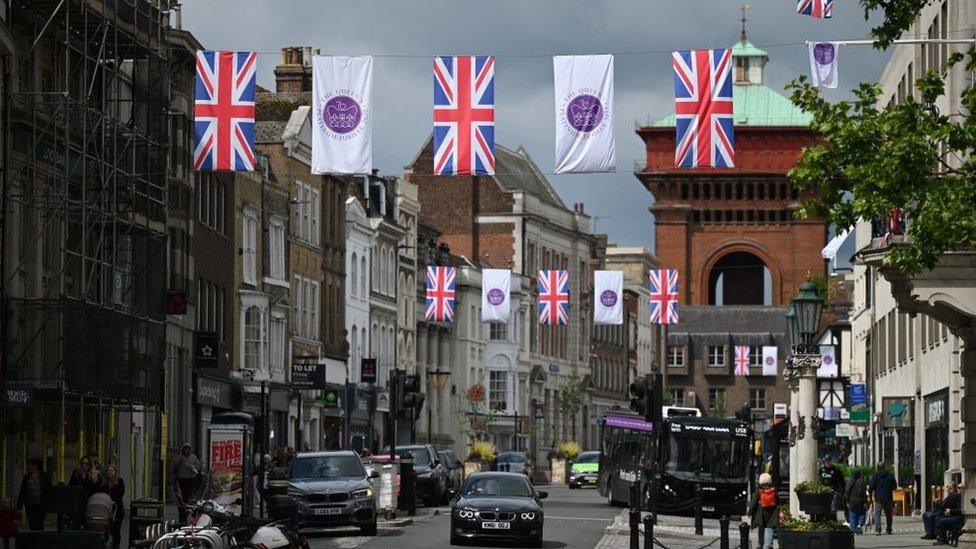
pixel 186 468
pixel 831 476
pixel 882 487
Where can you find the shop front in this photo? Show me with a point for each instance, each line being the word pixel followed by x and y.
pixel 213 396
pixel 936 441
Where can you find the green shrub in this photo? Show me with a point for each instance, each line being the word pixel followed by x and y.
pixel 813 487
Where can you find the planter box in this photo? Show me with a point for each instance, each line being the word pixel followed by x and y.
pixel 791 539
pixel 558 468
pixel 815 504
pixel 471 467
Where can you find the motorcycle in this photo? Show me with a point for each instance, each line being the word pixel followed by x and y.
pixel 213 527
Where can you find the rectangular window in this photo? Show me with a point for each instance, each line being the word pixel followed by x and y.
pixel 277 358
pixel 755 355
pixel 716 355
pixel 677 397
pixel 313 320
pixel 277 250
pixel 757 399
pixel 715 398
pixel 498 390
pixel 498 332
pixel 249 246
pixel 676 356
pixel 313 237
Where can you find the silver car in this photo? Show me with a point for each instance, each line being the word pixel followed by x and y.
pixel 333 489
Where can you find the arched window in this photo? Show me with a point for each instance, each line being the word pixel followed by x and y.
pixel 354 349
pixel 374 270
pixel 362 270
pixel 391 275
pixel 740 278
pixel 252 338
pixel 353 274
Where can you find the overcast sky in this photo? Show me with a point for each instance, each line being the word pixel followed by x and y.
pixel 523 34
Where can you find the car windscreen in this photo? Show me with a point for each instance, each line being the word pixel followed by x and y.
pixel 510 457
pixel 496 487
pixel 588 457
pixel 326 467
pixel 421 457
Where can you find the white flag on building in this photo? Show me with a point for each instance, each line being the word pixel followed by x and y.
pixel 495 299
pixel 828 368
pixel 584 113
pixel 769 359
pixel 823 63
pixel 608 298
pixel 342 125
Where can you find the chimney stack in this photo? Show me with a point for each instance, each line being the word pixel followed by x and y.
pixel 294 74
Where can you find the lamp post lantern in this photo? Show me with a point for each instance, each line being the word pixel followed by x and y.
pixel 802 326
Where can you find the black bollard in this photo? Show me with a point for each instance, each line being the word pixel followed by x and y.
pixel 744 535
pixel 635 516
pixel 699 529
pixel 723 533
pixel 408 486
pixel 649 532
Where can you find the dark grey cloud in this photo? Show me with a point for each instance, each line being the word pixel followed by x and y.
pixel 523 34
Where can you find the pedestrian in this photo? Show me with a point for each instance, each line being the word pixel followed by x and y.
pixel 882 489
pixel 946 514
pixel 9 515
pixel 831 476
pixel 86 477
pixel 186 468
pixel 31 495
pixel 763 512
pixel 261 480
pixel 857 500
pixel 115 488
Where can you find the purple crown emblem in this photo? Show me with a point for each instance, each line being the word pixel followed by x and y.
pixel 770 360
pixel 342 114
pixel 608 298
pixel 828 359
pixel 496 296
pixel 584 112
pixel 824 53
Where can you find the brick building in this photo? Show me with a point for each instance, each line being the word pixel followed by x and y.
pixel 733 237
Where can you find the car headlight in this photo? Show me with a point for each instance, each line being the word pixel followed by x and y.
pixel 360 494
pixel 528 516
pixel 466 513
pixel 297 495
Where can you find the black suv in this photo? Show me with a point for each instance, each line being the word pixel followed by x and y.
pixel 431 473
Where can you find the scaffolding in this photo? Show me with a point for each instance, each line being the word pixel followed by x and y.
pixel 84 239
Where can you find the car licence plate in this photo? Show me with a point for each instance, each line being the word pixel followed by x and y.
pixel 328 511
pixel 496 525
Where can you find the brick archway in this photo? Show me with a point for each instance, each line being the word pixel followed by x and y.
pixel 722 250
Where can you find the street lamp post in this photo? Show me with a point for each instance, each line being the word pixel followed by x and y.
pixel 802 324
pixel 438 379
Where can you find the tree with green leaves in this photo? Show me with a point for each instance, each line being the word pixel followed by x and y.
pixel 569 400
pixel 908 157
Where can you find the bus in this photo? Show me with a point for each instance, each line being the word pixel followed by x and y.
pixel 713 454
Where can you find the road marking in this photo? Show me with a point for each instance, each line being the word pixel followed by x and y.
pixel 610 519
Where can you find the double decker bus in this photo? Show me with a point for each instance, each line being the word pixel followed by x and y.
pixel 696 453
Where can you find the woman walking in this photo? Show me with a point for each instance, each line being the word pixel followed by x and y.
pixel 115 488
pixel 763 511
pixel 857 500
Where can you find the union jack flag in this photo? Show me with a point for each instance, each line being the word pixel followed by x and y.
pixel 703 108
pixel 664 296
pixel 440 294
pixel 223 116
pixel 741 360
pixel 464 115
pixel 821 9
pixel 553 298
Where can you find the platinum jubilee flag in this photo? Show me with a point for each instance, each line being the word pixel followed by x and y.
pixel 495 295
pixel 342 125
pixel 608 298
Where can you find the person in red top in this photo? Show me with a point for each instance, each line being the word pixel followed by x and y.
pixel 9 515
pixel 763 512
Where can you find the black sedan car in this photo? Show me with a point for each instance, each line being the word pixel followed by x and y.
pixel 431 473
pixel 333 489
pixel 497 506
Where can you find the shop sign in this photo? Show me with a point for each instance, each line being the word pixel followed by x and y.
pixel 19 396
pixel 860 416
pixel 780 409
pixel 554 368
pixel 367 370
pixel 227 467
pixel 205 349
pixel 538 410
pixel 307 373
pixel 859 394
pixel 935 410
pixel 845 430
pixel 896 412
pixel 215 393
pixel 383 401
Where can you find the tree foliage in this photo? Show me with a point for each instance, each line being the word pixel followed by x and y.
pixel 874 159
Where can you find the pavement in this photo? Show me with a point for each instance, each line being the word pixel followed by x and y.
pixel 679 533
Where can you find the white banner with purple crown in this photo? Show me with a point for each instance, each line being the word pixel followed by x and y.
pixel 608 297
pixel 342 125
pixel 584 113
pixel 496 295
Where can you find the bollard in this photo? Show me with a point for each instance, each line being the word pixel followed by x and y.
pixel 648 532
pixel 744 535
pixel 635 516
pixel 723 535
pixel 699 529
pixel 408 486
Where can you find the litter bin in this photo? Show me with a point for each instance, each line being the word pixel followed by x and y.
pixel 143 513
pixel 278 482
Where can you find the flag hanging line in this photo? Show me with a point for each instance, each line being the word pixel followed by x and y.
pixel 900 41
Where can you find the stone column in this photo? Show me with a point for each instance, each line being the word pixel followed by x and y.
pixel 806 444
pixel 792 381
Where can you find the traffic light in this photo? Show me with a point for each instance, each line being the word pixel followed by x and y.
pixel 638 396
pixel 330 397
pixel 409 396
pixel 646 396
